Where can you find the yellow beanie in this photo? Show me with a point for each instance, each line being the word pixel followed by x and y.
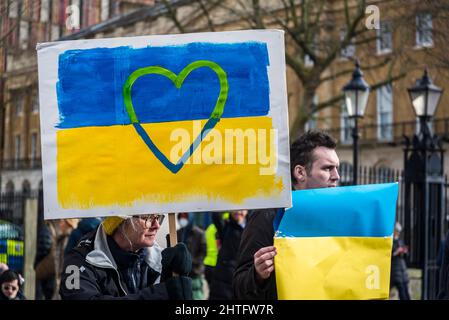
pixel 111 223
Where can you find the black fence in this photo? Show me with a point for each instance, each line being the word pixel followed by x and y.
pixel 12 212
pixel 390 132
pixel 411 214
pixel 12 209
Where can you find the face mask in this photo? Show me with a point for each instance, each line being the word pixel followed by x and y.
pixel 183 222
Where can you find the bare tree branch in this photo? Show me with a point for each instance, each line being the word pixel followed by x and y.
pixel 173 15
pixel 257 15
pixel 20 11
pixel 334 76
pixel 239 15
pixel 205 11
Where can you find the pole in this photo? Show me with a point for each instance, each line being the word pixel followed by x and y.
pixel 425 132
pixel 172 229
pixel 30 247
pixel 355 161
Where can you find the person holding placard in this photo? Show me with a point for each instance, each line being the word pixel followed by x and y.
pixel 314 164
pixel 121 260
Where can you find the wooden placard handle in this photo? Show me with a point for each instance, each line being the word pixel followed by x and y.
pixel 172 229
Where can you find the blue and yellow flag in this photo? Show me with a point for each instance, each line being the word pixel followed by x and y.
pixel 335 243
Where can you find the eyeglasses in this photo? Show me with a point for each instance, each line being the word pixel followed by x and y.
pixel 8 287
pixel 151 218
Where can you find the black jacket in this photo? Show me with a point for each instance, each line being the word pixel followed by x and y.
pixel 195 240
pixel 444 272
pixel 398 266
pixel 258 233
pixel 229 234
pixel 99 277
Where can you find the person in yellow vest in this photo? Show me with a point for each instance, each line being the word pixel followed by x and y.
pixel 210 261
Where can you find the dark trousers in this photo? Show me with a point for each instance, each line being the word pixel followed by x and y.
pixel 209 274
pixel 402 290
pixel 45 289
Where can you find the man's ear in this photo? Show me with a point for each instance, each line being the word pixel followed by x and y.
pixel 300 174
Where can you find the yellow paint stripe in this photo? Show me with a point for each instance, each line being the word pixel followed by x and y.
pixel 333 267
pixel 104 166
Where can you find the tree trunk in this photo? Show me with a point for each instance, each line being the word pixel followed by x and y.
pixel 304 112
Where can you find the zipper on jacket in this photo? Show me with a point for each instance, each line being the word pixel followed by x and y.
pixel 116 271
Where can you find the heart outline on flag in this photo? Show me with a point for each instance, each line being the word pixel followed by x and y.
pixel 177 81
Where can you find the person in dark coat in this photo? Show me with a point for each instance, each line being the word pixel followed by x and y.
pixel 84 227
pixel 314 164
pixel 399 275
pixel 195 240
pixel 45 283
pixel 443 292
pixel 229 233
pixel 122 261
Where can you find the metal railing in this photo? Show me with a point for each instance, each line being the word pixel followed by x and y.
pixel 21 164
pixel 389 133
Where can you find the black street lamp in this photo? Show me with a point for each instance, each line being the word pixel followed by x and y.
pixel 424 187
pixel 425 97
pixel 356 96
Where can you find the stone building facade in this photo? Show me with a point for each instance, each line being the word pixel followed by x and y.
pixel 388 117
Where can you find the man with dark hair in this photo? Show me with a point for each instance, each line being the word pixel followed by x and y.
pixel 314 164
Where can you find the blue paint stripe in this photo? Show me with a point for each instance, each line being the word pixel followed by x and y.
pixel 90 83
pixel 355 211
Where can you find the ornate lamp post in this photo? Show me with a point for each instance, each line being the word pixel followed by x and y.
pixel 356 96
pixel 424 186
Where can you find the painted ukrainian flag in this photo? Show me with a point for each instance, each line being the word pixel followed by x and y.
pixel 164 125
pixel 336 243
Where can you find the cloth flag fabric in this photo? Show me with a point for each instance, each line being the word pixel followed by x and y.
pixel 335 243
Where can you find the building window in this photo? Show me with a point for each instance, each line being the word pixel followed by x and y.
pixel 13 11
pixel 346 125
pixel 17 147
pixel 26 188
pixel 35 105
pixel 19 100
pixel 24 34
pixel 45 10
pixel 105 9
pixel 55 32
pixel 424 30
pixel 9 188
pixel 33 145
pixel 384 38
pixel 349 50
pixel 385 113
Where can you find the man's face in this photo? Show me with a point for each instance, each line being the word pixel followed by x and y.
pixel 322 174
